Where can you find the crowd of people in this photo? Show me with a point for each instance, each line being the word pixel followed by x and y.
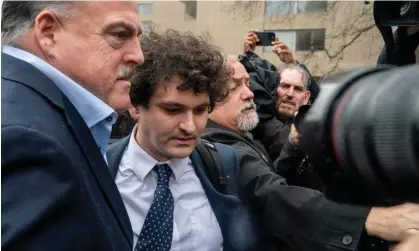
pixel 69 69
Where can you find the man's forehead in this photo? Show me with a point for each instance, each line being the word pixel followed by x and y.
pixel 239 71
pixel 292 77
pixel 111 11
pixel 168 92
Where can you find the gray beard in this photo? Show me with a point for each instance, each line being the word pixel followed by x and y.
pixel 247 122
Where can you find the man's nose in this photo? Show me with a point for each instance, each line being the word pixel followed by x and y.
pixel 136 55
pixel 290 92
pixel 188 124
pixel 247 94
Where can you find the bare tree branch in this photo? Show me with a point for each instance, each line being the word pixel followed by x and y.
pixel 344 46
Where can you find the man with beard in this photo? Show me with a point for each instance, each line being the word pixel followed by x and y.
pixel 238 115
pixel 292 91
pixel 294 218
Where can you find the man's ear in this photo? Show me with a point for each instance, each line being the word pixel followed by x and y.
pixel 46 26
pixel 134 112
pixel 307 97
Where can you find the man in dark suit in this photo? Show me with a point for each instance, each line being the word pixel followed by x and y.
pixel 298 218
pixel 157 169
pixel 65 67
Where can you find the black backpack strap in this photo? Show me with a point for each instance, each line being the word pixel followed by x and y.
pixel 213 165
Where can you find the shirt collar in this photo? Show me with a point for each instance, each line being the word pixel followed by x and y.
pixel 91 108
pixel 142 163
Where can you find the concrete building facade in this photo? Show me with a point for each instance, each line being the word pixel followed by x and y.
pixel 327 36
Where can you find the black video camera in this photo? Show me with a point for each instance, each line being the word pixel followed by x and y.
pixel 362 131
pixel 362 134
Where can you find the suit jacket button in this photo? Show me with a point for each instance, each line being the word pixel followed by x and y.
pixel 347 240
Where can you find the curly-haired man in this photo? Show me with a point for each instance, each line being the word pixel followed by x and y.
pixel 169 195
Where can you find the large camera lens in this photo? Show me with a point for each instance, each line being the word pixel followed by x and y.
pixel 366 123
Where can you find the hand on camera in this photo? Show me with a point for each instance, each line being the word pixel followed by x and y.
pixel 294 136
pixel 396 223
pixel 283 52
pixel 250 41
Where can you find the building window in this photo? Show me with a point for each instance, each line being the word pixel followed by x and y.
pixel 278 8
pixel 310 40
pixel 300 40
pixel 145 9
pixel 147 27
pixel 190 9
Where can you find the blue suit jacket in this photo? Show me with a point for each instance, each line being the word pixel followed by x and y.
pixel 56 191
pixel 237 226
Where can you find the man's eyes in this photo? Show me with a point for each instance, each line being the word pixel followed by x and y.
pixel 198 110
pixel 172 110
pixel 121 35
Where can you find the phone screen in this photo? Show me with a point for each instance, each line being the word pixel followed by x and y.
pixel 265 38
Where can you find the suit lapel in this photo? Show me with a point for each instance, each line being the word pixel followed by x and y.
pixel 114 154
pixel 98 166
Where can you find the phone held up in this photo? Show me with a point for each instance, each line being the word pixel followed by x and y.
pixel 265 38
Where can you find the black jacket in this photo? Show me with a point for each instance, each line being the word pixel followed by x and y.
pixel 295 166
pixel 56 190
pixel 298 218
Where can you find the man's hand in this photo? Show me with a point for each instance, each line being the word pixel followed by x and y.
pixel 396 223
pixel 410 244
pixel 294 136
pixel 250 41
pixel 283 52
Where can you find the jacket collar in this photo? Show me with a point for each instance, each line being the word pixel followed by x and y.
pixel 213 125
pixel 13 69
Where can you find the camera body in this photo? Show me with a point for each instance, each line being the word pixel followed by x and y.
pixel 362 134
pixel 362 131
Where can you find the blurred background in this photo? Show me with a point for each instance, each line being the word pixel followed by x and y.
pixel 327 36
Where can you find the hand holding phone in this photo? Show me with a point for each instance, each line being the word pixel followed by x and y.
pixel 250 41
pixel 283 52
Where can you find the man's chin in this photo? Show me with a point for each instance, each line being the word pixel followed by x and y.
pixel 286 113
pixel 180 154
pixel 180 151
pixel 119 104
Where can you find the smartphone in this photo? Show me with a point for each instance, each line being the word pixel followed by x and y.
pixel 265 38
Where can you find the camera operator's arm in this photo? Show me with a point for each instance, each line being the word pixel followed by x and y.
pixel 394 223
pixel 304 217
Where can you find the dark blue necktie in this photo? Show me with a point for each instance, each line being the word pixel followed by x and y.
pixel 157 230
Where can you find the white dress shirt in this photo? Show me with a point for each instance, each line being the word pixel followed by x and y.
pixel 195 226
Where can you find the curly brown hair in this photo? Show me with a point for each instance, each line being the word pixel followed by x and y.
pixel 174 54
